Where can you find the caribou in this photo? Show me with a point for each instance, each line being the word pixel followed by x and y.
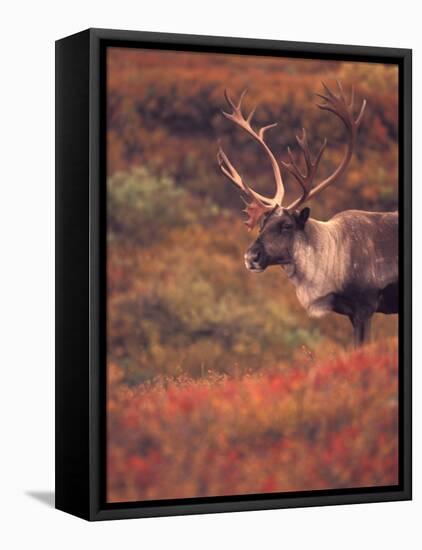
pixel 348 264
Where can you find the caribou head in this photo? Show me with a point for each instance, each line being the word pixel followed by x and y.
pixel 280 225
pixel 274 245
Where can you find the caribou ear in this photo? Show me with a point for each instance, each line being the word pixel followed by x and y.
pixel 302 217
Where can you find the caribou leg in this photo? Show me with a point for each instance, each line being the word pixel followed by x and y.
pixel 359 311
pixel 361 329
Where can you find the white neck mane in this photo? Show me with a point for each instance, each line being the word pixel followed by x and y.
pixel 320 264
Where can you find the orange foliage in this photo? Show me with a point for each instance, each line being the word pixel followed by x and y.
pixel 318 425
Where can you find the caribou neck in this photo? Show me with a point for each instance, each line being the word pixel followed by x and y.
pixel 319 263
pixel 307 250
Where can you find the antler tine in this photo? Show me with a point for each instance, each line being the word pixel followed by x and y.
pixel 306 179
pixel 237 109
pixel 293 167
pixel 251 114
pixel 330 94
pixel 344 110
pixel 341 91
pixel 360 115
pixel 321 150
pixel 229 100
pixel 229 170
pixel 262 130
pixel 352 99
pixel 303 144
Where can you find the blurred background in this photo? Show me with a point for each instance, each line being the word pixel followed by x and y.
pixel 180 298
pixel 218 382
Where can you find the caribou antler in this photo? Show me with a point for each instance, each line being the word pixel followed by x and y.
pixel 259 204
pixel 338 105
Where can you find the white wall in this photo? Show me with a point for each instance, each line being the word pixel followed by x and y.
pixel 27 273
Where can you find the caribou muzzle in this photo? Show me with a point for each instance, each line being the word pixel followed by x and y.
pixel 256 260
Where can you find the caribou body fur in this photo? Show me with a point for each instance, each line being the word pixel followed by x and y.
pixel 349 265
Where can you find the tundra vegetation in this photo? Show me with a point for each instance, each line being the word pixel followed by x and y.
pixel 218 381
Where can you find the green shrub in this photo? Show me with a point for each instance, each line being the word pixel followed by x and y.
pixel 142 207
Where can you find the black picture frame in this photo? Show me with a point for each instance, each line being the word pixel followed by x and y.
pixel 80 273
